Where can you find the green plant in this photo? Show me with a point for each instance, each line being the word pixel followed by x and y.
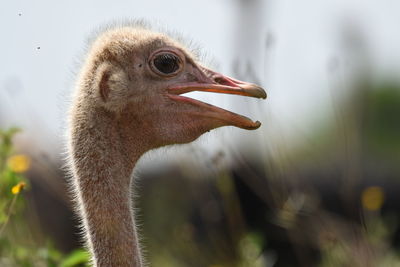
pixel 17 248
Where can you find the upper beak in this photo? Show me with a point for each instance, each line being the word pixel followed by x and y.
pixel 218 83
pixel 210 81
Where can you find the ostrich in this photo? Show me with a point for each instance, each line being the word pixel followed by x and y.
pixel 128 101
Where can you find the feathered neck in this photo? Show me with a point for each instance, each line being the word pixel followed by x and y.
pixel 102 161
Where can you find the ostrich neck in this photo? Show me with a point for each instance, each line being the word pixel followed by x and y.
pixel 103 156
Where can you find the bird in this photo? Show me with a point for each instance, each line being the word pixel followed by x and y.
pixel 127 100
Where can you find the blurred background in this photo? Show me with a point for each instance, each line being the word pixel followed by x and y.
pixel 317 185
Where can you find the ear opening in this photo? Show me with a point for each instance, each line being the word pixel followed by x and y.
pixel 104 86
pixel 110 85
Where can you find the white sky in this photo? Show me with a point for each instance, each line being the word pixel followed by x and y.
pixel 35 83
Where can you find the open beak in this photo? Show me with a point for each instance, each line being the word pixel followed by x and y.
pixel 210 81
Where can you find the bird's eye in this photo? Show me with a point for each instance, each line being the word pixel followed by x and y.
pixel 166 64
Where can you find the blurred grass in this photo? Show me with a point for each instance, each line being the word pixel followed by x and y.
pixel 16 248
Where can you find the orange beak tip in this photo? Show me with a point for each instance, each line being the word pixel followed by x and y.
pixel 265 95
pixel 254 126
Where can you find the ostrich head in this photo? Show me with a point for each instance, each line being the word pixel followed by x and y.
pixel 139 76
pixel 128 100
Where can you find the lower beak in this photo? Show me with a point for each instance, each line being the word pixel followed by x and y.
pixel 218 83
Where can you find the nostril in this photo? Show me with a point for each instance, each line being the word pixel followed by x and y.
pixel 219 80
pixel 222 81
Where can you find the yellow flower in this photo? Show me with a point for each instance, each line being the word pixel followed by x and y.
pixel 16 189
pixel 372 198
pixel 19 163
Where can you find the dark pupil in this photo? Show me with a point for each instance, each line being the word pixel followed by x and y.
pixel 166 63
